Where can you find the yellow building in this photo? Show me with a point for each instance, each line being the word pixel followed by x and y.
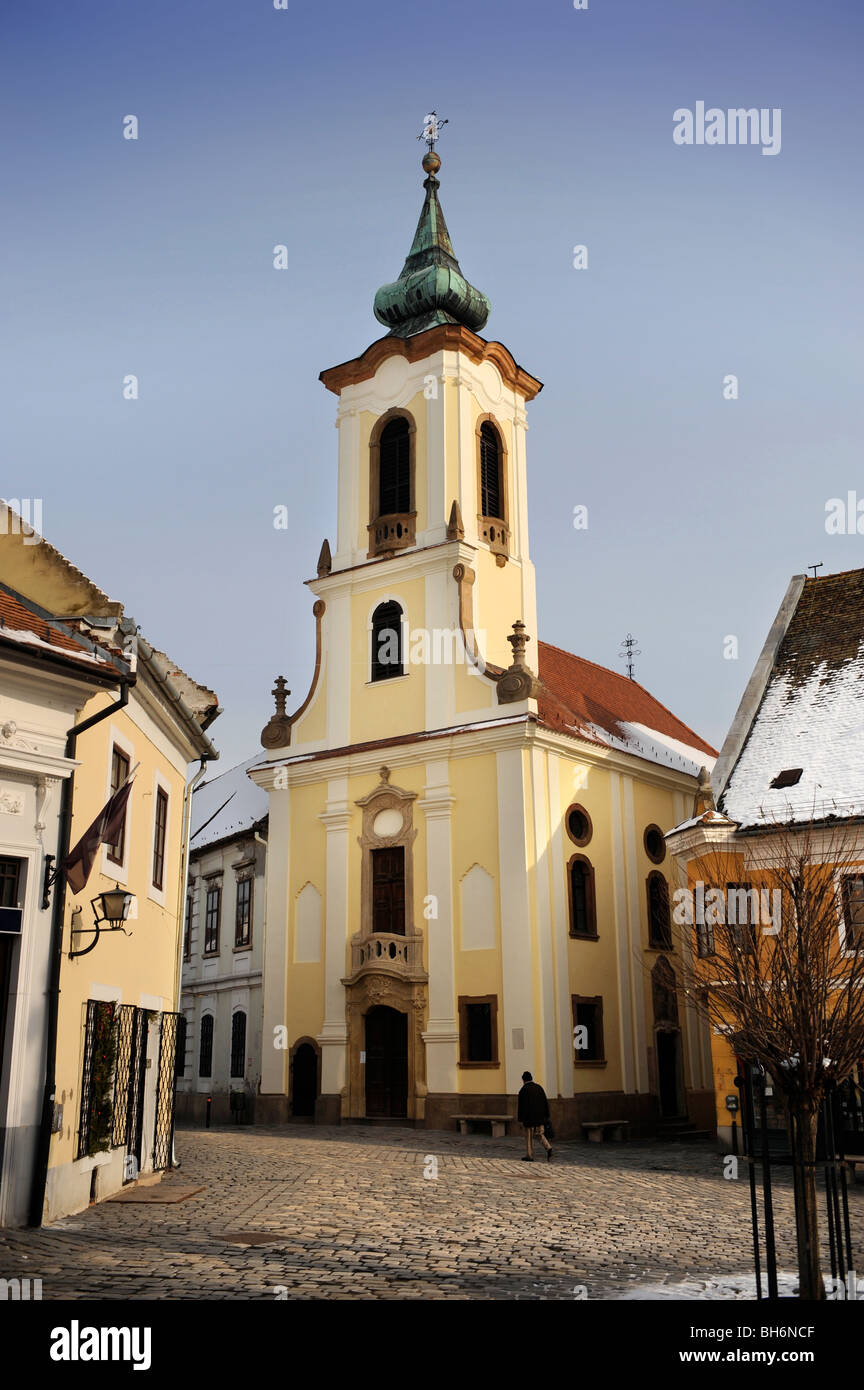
pixel 100 1078
pixel 787 775
pixel 465 868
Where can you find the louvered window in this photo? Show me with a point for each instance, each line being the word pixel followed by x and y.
pixel 490 471
pixel 387 642
pixel 394 468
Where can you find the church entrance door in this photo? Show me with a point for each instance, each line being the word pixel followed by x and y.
pixel 386 1063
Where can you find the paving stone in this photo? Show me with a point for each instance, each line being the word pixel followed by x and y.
pixel 347 1214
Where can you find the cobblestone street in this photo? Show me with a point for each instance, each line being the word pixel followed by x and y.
pixel 348 1213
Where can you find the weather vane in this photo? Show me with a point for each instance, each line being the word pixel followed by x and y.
pixel 630 650
pixel 431 129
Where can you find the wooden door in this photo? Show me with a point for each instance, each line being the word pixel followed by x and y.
pixel 386 1063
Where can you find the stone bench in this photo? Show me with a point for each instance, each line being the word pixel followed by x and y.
pixel 499 1123
pixel 856 1163
pixel 596 1129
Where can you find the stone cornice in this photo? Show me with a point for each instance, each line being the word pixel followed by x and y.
pixel 448 337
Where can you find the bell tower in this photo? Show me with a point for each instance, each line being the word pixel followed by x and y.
pixel 432 551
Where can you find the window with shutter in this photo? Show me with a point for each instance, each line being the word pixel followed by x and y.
pixel 394 468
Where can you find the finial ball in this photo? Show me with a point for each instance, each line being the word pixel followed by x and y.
pixel 431 162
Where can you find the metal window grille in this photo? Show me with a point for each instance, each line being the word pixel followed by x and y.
pixel 238 1044
pixel 130 1078
pixel 99 1016
pixel 182 1030
pixel 205 1050
pixel 166 1079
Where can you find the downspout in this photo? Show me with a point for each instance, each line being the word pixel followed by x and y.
pixel 183 887
pixel 43 1149
pixel 260 841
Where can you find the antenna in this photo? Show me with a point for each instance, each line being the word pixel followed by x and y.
pixel 630 650
pixel 814 568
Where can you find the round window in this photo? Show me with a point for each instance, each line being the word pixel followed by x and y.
pixel 655 845
pixel 579 826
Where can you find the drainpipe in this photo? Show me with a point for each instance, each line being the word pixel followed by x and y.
pixel 260 841
pixel 183 887
pixel 43 1150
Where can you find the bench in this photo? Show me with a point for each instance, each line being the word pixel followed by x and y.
pixel 855 1162
pixel 499 1123
pixel 596 1129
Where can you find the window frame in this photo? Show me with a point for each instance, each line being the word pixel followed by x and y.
pixel 590 900
pixel 853 930
pixel 379 673
pixel 466 1001
pixel 187 927
pixel 160 839
pixel 240 1075
pixel 245 943
pixel 211 889
pixel 595 1000
pixel 660 857
pixel 586 839
pixel 653 943
pixel 375 853
pixel 206 1039
pixel 118 754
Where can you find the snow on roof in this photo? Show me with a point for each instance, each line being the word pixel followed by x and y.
pixel 230 804
pixel 605 707
pixel 811 715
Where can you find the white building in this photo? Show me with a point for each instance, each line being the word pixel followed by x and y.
pixel 224 948
pixel 48 672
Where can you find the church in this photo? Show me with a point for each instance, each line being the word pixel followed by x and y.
pixel 467 875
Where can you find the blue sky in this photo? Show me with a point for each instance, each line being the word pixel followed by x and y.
pixel 260 127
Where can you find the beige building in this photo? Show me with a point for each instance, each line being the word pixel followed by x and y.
pixel 98 1067
pixel 466 874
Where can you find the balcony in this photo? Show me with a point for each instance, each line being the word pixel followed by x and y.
pixel 389 954
pixel 496 534
pixel 390 533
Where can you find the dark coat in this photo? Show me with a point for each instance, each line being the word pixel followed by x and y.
pixel 533 1106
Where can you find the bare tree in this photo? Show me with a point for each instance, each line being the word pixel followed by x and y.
pixel 774 957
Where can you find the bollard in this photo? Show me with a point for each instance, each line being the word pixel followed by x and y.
pixel 209 1107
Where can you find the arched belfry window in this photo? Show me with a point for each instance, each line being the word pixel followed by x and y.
pixel 394 468
pixel 492 489
pixel 387 656
pixel 391 484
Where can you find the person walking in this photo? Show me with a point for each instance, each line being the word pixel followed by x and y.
pixel 533 1114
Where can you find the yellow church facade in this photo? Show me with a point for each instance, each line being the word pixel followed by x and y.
pixel 466 869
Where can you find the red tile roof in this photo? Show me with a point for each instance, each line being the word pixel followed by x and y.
pixel 15 617
pixel 578 695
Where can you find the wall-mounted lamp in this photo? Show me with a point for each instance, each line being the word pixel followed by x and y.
pixel 110 908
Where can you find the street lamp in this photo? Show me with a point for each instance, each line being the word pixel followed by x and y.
pixel 111 908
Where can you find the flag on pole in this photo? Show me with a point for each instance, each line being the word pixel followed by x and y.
pixel 105 830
